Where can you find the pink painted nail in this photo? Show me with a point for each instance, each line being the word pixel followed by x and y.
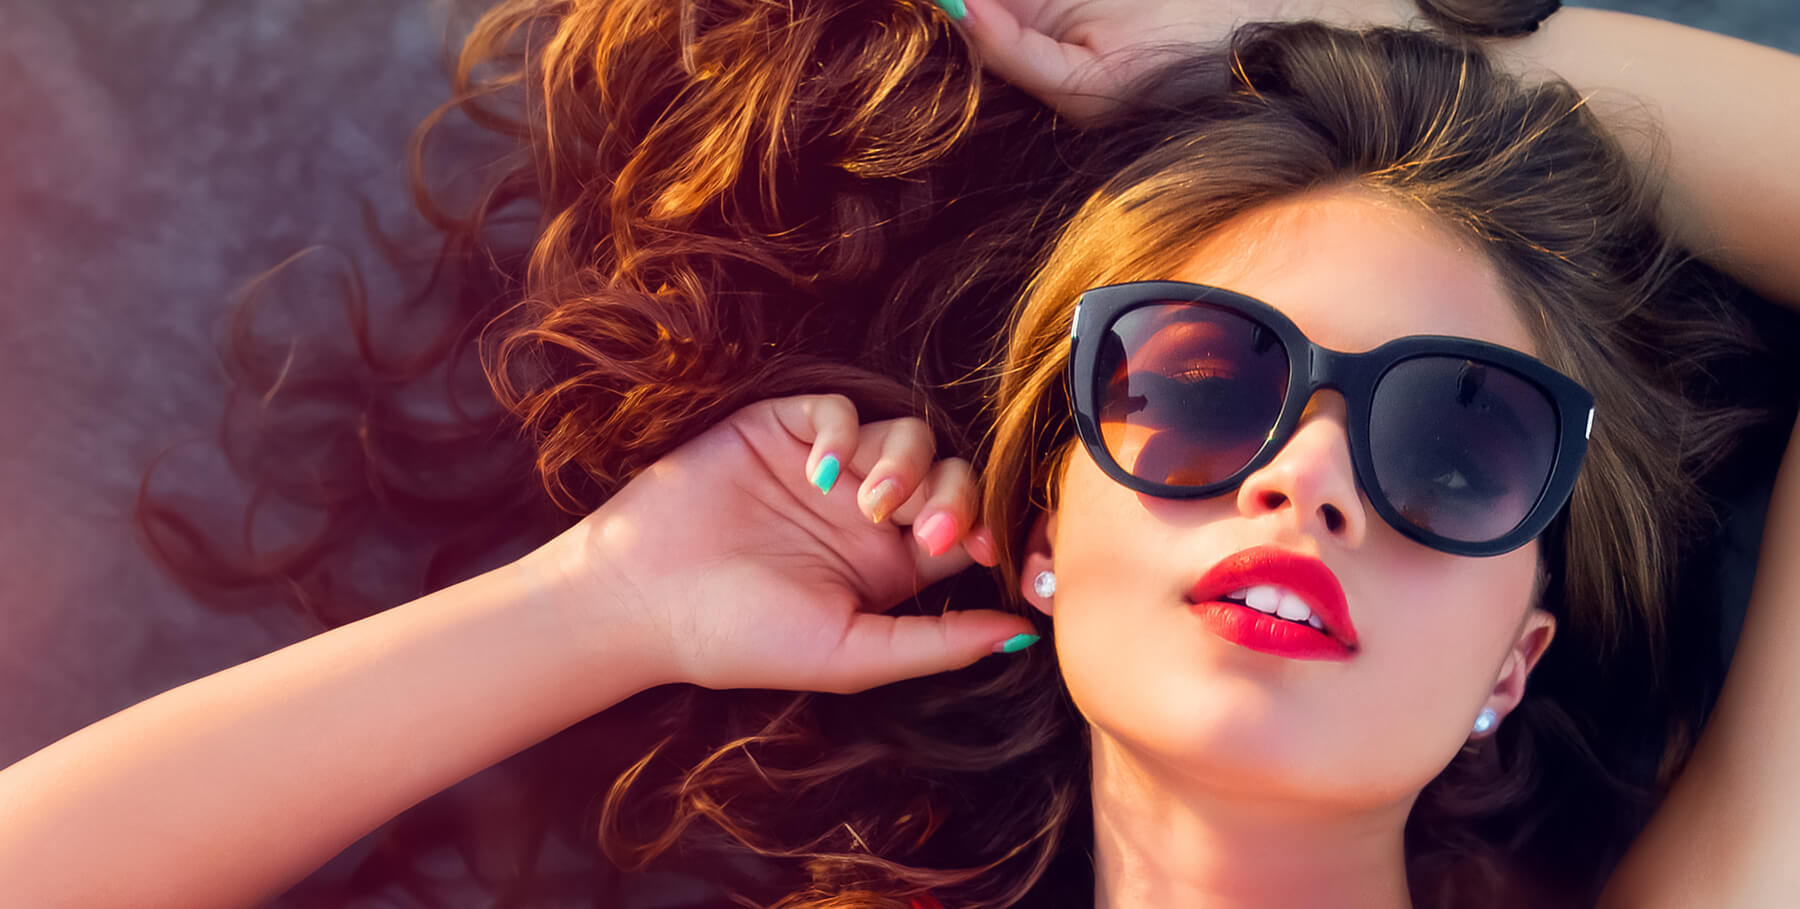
pixel 937 532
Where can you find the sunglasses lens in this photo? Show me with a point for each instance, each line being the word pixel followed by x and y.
pixel 1187 392
pixel 1461 449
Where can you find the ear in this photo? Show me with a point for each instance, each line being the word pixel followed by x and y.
pixel 1038 559
pixel 1509 688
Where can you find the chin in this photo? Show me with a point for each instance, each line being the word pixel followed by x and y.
pixel 1249 750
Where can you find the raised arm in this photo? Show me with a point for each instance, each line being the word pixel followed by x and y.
pixel 722 565
pixel 1724 836
pixel 1727 112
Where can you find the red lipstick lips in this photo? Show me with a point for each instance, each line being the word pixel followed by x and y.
pixel 1293 575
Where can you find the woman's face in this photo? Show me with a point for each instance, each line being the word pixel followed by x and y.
pixel 1439 636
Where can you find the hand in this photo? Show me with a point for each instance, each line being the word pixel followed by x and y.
pixel 736 571
pixel 1080 56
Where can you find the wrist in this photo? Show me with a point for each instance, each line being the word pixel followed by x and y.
pixel 597 615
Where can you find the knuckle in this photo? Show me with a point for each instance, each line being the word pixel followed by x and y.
pixel 913 426
pixel 951 477
pixel 916 448
pixel 955 467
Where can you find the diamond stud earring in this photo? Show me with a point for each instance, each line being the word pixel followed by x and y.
pixel 1484 722
pixel 1044 584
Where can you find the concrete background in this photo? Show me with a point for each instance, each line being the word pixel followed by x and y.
pixel 154 157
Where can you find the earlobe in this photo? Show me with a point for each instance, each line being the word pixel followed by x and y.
pixel 1509 688
pixel 1039 590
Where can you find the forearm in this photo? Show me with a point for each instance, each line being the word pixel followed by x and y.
pixel 1727 111
pixel 1723 837
pixel 225 791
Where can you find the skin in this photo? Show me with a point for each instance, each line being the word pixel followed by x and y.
pixel 299 753
pixel 1228 777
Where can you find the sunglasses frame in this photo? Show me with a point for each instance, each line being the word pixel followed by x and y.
pixel 1353 375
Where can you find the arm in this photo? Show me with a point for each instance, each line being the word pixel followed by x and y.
pixel 227 790
pixel 1728 114
pixel 1724 835
pixel 1727 111
pixel 721 565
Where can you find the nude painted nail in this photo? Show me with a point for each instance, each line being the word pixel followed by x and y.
pixel 937 532
pixel 883 499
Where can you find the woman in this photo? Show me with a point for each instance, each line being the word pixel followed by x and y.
pixel 1333 226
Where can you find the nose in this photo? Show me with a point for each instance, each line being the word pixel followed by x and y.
pixel 1312 478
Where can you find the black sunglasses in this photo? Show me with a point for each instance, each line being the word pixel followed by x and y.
pixel 1183 390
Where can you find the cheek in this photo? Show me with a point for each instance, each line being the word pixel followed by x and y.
pixel 1434 656
pixel 1119 611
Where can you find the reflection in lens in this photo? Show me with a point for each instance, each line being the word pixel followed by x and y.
pixel 1188 392
pixel 1462 449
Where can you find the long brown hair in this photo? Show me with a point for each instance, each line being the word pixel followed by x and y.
pixel 716 200
pixel 693 205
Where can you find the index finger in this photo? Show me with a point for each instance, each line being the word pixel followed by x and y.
pixel 826 423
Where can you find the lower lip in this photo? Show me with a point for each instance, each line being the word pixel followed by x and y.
pixel 1265 633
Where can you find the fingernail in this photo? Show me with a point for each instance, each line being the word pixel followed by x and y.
pixel 825 475
pixel 882 499
pixel 1016 643
pixel 937 532
pixel 955 8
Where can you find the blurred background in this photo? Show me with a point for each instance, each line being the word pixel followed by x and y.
pixel 155 157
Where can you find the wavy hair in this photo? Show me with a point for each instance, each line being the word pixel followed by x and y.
pixel 713 201
pixel 1528 175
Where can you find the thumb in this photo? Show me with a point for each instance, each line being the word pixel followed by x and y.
pixel 879 649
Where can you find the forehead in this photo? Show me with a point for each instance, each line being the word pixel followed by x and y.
pixel 1355 269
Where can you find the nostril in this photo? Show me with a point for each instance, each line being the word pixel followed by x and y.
pixel 1334 519
pixel 1272 500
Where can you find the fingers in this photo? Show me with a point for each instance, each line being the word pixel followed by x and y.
pixel 941 511
pixel 880 649
pixel 902 456
pixel 900 479
pixel 829 424
pixel 936 499
pixel 1069 77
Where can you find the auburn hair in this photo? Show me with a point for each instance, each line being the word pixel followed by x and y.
pixel 708 202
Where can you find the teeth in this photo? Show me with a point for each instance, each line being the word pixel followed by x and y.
pixel 1267 598
pixel 1293 609
pixel 1263 598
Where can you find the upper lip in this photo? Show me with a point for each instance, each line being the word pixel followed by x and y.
pixel 1304 575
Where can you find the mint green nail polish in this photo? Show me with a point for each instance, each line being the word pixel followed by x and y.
pixel 955 8
pixel 1016 643
pixel 825 475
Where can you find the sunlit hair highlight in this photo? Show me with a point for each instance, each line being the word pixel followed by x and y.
pixel 701 203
